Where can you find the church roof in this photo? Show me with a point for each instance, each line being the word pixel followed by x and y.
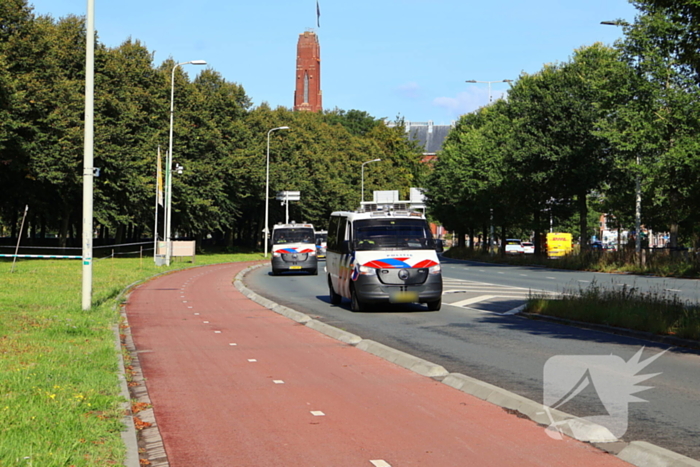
pixel 429 136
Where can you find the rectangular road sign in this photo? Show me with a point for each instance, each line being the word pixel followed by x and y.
pixel 289 195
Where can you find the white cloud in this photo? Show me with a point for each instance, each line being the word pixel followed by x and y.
pixel 410 90
pixel 467 101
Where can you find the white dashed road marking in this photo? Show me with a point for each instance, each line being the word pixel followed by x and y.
pixel 380 463
pixel 317 413
pixel 469 301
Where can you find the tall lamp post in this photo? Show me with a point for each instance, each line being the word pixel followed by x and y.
pixel 267 184
pixel 638 178
pixel 88 169
pixel 169 164
pixel 490 100
pixel 362 199
pixel 489 83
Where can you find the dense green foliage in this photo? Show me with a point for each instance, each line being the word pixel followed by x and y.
pixel 571 141
pixel 219 139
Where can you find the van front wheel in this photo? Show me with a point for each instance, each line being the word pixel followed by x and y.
pixel 355 303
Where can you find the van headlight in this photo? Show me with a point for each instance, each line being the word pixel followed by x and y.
pixel 276 255
pixel 435 269
pixel 368 271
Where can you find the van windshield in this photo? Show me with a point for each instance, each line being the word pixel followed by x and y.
pixel 392 234
pixel 293 235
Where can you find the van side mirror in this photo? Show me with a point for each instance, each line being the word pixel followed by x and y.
pixel 346 246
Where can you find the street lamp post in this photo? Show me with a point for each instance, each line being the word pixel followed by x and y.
pixel 88 169
pixel 267 185
pixel 363 179
pixel 489 83
pixel 638 179
pixel 169 163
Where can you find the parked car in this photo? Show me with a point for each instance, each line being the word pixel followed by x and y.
pixel 514 246
pixel 528 248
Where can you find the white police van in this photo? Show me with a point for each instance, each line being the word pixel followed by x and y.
pixel 384 254
pixel 294 248
pixel 321 242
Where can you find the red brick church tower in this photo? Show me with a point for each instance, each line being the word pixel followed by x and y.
pixel 307 95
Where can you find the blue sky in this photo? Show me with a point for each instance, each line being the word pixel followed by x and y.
pixel 386 57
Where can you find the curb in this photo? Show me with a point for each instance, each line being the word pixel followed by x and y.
pixel 637 453
pixel 128 434
pixel 574 427
pixel 408 361
pixel 643 454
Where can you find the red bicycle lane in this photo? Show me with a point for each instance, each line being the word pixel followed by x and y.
pixel 235 384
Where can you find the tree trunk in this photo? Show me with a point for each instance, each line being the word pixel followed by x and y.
pixel 14 222
pixel 63 230
pixel 471 239
pixel 673 237
pixel 583 213
pixel 120 234
pixel 537 238
pixel 503 240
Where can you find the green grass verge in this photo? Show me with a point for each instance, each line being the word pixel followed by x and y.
pixel 59 392
pixel 659 312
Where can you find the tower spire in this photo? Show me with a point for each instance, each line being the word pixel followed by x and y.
pixel 307 95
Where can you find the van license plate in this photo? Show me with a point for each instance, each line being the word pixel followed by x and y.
pixel 294 267
pixel 404 297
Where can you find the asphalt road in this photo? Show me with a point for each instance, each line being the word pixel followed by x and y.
pixel 473 334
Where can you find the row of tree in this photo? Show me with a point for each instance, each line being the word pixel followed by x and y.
pixel 578 136
pixel 219 139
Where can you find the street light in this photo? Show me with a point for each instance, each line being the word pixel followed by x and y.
pixel 363 179
pixel 267 184
pixel 638 178
pixel 169 163
pixel 489 83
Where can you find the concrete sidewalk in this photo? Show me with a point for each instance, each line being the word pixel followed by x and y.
pixel 233 383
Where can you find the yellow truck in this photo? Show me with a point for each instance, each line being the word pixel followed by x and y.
pixel 558 244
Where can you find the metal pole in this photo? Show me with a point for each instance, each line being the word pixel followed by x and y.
pixel 491 233
pixel 362 177
pixel 267 185
pixel 638 211
pixel 168 168
pixel 362 196
pixel 19 237
pixel 155 223
pixel 286 207
pixel 267 191
pixel 88 154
